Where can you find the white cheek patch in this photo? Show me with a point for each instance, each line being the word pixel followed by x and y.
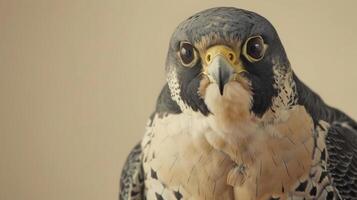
pixel 286 98
pixel 175 89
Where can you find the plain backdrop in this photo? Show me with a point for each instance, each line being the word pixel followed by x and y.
pixel 79 78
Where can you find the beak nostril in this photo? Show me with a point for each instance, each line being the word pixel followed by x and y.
pixel 208 58
pixel 231 57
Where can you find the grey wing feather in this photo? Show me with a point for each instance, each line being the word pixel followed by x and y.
pixel 132 176
pixel 341 143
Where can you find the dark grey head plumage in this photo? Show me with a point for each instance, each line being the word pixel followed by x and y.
pixel 231 27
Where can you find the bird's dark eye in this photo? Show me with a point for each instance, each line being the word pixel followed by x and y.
pixel 254 48
pixel 187 54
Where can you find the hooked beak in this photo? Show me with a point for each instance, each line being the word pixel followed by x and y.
pixel 221 72
pixel 222 65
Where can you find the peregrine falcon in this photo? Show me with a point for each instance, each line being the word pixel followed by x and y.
pixel 233 121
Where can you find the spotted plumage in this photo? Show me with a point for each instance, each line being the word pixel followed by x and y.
pixel 234 122
pixel 132 177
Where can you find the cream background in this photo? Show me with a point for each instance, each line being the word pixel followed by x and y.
pixel 78 79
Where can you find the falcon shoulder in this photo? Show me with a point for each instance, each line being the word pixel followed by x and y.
pixel 341 141
pixel 132 176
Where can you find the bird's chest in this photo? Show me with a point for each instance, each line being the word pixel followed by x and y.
pixel 185 157
pixel 179 162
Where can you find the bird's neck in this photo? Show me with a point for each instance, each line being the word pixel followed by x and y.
pixel 312 102
pixel 316 107
pixel 165 103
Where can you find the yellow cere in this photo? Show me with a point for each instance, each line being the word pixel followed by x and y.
pixel 227 53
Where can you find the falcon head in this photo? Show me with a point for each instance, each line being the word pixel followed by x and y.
pixel 225 47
